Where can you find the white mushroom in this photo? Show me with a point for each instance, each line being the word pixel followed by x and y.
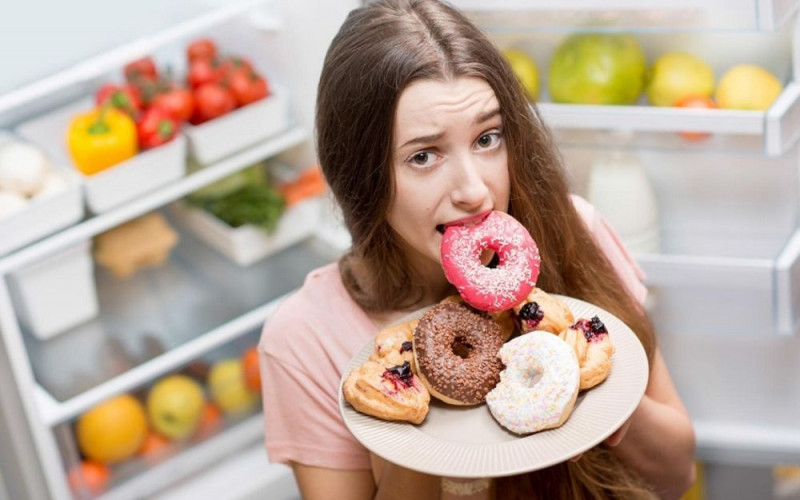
pixel 22 168
pixel 53 183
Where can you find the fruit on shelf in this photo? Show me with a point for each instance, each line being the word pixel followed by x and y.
pixel 174 406
pixel 252 373
pixel 100 139
pixel 228 389
pixel 176 100
pixel 247 86
pixel 126 98
pixel 201 48
pixel 112 431
pixel 212 100
pixel 747 86
pixel 156 448
pixel 525 68
pixel 210 423
pixel 591 68
pixel 89 477
pixel 696 102
pixel 677 75
pixel 140 69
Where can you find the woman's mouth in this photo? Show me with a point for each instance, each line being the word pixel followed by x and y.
pixel 465 221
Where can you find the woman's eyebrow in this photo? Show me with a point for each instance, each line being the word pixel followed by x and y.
pixel 483 117
pixel 425 139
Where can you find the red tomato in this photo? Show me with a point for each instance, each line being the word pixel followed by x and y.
pixel 126 98
pixel 247 87
pixel 203 71
pixel 140 68
pixel 202 48
pixel 155 127
pixel 178 101
pixel 210 101
pixel 231 65
pixel 696 102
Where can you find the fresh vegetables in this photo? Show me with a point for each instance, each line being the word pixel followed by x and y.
pixel 211 101
pixel 141 69
pixel 247 86
pixel 308 184
pixel 177 100
pixel 155 127
pixel 26 174
pixel 125 98
pixel 101 138
pixel 202 48
pixel 257 204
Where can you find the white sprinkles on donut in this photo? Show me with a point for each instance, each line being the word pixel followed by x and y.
pixel 539 386
pixel 491 289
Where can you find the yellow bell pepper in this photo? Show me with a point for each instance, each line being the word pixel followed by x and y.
pixel 100 139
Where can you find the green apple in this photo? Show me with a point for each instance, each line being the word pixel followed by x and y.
pixel 525 69
pixel 226 383
pixel 676 76
pixel 174 406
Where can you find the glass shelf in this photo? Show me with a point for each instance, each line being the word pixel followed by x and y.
pixel 158 310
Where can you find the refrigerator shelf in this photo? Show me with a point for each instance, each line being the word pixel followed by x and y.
pixel 747 444
pixel 189 461
pixel 632 15
pixel 158 197
pixel 753 295
pixel 196 302
pixel 778 127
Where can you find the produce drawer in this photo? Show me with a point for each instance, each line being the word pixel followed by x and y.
pixel 119 183
pixel 733 15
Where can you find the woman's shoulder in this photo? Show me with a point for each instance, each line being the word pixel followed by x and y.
pixel 318 315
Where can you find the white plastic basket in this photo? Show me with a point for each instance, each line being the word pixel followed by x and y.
pixel 56 293
pixel 42 216
pixel 242 127
pixel 248 244
pixel 119 183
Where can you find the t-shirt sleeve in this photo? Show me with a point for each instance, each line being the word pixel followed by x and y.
pixel 302 423
pixel 609 242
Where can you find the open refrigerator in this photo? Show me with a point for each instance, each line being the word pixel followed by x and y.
pixel 724 281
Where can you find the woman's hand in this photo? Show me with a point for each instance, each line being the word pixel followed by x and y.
pixel 612 440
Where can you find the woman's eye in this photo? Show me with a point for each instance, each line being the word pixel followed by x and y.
pixel 423 159
pixel 488 140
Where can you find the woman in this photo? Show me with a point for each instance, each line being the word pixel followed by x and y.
pixel 421 123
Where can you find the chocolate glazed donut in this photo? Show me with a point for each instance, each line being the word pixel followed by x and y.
pixel 455 350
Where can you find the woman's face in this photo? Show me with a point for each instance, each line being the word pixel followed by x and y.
pixel 450 163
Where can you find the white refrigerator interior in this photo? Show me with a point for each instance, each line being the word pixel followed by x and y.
pixel 714 224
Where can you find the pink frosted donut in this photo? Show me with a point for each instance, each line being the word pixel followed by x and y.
pixel 485 288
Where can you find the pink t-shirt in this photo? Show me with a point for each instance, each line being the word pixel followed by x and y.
pixel 308 342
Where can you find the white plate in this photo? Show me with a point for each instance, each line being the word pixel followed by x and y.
pixel 456 441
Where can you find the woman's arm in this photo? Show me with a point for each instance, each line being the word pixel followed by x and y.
pixel 658 440
pixel 393 482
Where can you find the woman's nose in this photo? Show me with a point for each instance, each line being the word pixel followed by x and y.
pixel 469 189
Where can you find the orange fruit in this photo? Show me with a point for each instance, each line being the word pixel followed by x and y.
pixel 696 102
pixel 252 374
pixel 113 430
pixel 155 447
pixel 210 422
pixel 89 476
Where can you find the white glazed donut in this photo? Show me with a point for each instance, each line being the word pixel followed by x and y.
pixel 538 388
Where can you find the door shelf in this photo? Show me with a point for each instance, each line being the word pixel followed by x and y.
pixel 777 129
pixel 631 15
pixel 196 302
pixel 726 295
pixel 95 225
pixel 747 444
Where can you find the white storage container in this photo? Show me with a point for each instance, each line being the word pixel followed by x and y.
pixel 117 184
pixel 56 293
pixel 242 127
pixel 248 244
pixel 42 216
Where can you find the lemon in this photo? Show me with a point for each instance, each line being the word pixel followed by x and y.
pixel 525 69
pixel 113 430
pixel 677 75
pixel 747 86
pixel 174 405
pixel 226 383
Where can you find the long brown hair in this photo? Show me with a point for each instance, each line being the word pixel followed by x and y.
pixel 380 49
